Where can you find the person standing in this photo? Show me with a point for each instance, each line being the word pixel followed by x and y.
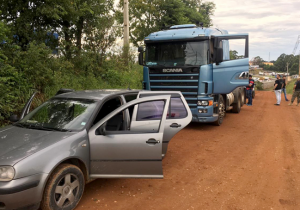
pixel 296 93
pixel 249 90
pixel 283 88
pixel 277 89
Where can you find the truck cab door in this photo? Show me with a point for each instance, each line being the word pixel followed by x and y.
pixel 230 74
pixel 129 153
pixel 179 115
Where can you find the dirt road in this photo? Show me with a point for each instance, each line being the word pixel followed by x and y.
pixel 252 161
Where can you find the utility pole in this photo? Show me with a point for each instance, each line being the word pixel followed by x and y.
pixel 126 24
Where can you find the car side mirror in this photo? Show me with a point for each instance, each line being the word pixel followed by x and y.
pixel 102 129
pixel 219 57
pixel 14 118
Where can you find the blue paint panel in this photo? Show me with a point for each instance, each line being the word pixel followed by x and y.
pixel 226 75
pixel 146 78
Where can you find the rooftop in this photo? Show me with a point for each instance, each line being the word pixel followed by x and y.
pixel 94 94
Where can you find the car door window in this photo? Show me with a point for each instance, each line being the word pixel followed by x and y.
pixel 147 111
pixel 177 109
pixel 152 110
pixel 108 107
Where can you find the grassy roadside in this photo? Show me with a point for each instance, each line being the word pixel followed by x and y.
pixel 290 86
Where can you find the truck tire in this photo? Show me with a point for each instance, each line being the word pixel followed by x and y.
pixel 243 97
pixel 237 106
pixel 222 112
pixel 253 94
pixel 64 188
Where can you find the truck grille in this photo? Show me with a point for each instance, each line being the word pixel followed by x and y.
pixel 187 84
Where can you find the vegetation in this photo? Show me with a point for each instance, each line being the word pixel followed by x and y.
pixel 290 86
pixel 280 65
pixel 48 45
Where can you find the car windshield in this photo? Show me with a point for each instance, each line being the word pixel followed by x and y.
pixel 177 53
pixel 60 114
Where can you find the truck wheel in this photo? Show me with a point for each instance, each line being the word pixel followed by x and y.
pixel 253 94
pixel 243 98
pixel 64 188
pixel 237 106
pixel 222 112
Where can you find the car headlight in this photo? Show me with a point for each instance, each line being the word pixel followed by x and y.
pixel 7 173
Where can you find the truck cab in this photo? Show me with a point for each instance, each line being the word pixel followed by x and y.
pixel 196 61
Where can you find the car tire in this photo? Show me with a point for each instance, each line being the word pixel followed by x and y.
pixel 253 94
pixel 64 188
pixel 222 112
pixel 237 106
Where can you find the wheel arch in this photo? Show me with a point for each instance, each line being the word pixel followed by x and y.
pixel 73 161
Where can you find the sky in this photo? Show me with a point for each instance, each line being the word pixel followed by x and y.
pixel 273 25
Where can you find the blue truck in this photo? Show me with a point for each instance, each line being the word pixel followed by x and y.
pixel 196 61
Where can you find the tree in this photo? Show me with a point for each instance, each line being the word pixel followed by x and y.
pixel 147 16
pixel 257 61
pixel 233 54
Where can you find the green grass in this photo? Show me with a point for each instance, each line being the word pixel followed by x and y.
pixel 290 86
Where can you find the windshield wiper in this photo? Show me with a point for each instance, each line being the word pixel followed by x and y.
pixel 58 129
pixel 35 126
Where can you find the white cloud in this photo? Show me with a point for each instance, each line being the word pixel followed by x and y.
pixel 273 25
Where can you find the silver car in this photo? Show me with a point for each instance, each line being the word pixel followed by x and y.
pixel 48 155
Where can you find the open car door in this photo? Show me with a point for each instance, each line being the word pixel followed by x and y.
pixel 230 74
pixel 179 114
pixel 117 152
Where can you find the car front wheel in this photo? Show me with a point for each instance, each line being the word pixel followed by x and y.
pixel 64 188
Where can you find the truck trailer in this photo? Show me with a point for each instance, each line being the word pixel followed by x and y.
pixel 196 61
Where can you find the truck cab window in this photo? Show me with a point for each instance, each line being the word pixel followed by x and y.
pixel 188 53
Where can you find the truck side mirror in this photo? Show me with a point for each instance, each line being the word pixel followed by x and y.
pixel 219 57
pixel 141 58
pixel 141 55
pixel 14 118
pixel 140 49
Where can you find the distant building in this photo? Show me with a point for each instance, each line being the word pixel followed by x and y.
pixel 268 63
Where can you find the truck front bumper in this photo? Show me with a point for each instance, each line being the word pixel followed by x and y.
pixel 22 194
pixel 204 117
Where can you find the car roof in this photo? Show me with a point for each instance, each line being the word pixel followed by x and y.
pixel 95 94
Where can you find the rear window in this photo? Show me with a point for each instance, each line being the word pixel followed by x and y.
pixel 178 110
pixel 151 110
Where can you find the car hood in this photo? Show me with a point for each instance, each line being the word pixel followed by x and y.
pixel 17 143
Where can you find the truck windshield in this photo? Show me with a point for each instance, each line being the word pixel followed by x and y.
pixel 177 53
pixel 60 114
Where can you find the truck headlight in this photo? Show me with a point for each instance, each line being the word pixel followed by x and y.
pixel 7 173
pixel 205 103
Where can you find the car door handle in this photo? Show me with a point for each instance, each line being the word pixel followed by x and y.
pixel 152 141
pixel 175 125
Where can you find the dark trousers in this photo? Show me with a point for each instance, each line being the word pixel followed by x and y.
pixel 249 96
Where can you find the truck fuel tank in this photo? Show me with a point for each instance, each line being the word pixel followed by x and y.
pixel 230 98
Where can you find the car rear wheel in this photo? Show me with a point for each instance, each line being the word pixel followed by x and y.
pixel 64 188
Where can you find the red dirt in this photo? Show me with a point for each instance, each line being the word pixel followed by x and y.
pixel 250 162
